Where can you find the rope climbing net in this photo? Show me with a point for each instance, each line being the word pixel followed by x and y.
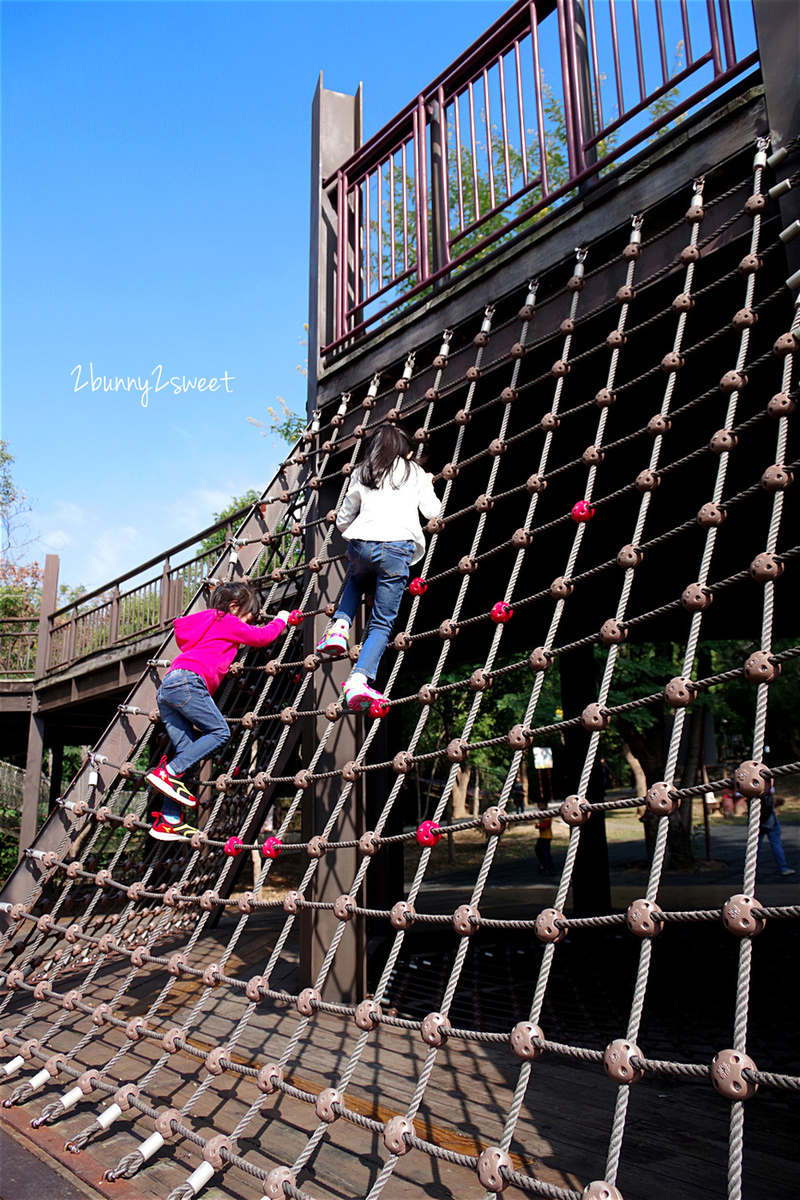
pixel 85 946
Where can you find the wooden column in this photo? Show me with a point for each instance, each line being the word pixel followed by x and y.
pixel 33 764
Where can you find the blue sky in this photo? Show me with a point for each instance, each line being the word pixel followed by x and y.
pixel 155 215
pixel 155 211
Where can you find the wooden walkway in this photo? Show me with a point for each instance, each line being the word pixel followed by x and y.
pixel 676 1136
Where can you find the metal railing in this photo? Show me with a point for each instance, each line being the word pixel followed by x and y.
pixel 511 129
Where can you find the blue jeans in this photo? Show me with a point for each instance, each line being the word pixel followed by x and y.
pixel 186 708
pixel 774 836
pixel 384 567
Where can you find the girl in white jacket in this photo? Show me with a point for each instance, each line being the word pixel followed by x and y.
pixel 380 520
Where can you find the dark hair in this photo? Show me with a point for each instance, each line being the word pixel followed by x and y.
pixel 388 444
pixel 240 594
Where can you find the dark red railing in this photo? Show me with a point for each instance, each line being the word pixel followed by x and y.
pixel 460 168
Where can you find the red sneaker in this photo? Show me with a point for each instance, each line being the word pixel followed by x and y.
pixel 163 781
pixel 164 831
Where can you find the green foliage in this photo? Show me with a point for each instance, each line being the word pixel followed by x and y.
pixel 665 104
pixel 9 839
pixel 237 503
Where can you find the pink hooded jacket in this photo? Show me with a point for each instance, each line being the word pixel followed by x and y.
pixel 208 642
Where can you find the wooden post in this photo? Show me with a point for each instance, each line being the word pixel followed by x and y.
pixel 33 762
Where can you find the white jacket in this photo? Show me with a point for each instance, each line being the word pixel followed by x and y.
pixel 390 514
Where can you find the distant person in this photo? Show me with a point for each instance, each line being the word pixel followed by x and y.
pixel 771 826
pixel 544 842
pixel 380 520
pixel 208 642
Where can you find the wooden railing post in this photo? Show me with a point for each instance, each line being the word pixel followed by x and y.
pixel 113 624
pixel 164 611
pixel 33 763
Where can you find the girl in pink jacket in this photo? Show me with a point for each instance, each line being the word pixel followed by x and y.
pixel 208 642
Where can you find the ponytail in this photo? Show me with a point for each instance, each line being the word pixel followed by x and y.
pixel 388 445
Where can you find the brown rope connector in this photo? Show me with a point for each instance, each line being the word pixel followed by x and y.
pixel 755 204
pixel 135 1030
pixel 310 663
pixel 745 318
pixel 334 711
pixel 518 350
pixel 175 964
pixel 402 915
pixel 723 441
pixel 522 1043
pixel 540 659
pixel 658 425
pixel 139 956
pixel 289 716
pixel 727 1075
pixel 213 1063
pixel 261 781
pixel 732 381
pixel 366 1014
pixel 369 843
pixel 641 918
pixel 509 395
pixel 781 405
pixel 617 1061
pixel 351 771
pixel 249 720
pixel 303 779
pixel 317 846
pixel 450 471
pixel 88 1081
pixel 343 907
pixel 107 944
pixel 572 811
pixel 209 900
pixel 324 1104
pixel 739 918
pixel 244 904
pixel 268 1079
pixel 273 1184
pixel 776 478
pixel 625 294
pixel 786 344
pixel 435 525
pixel 307 1001
pixel 672 362
pixel 462 417
pixel 494 1160
pixel 550 422
pixel 224 783
pixel 497 447
pixel 694 214
pixel 122 1096
pixel 630 557
pixel 659 800
pixel 560 588
pixel 592 455
pixel 252 989
pixel 457 750
pixel 632 251
pixel 100 1014
pixel 394 1135
pixel 545 926
pixel 127 770
pixel 760 668
pixel 520 540
pixel 421 436
pixel 466 920
pixel 520 738
pixel 56 1064
pixel 710 514
pixel 689 254
pixel 696 598
pixel 72 934
pixel 752 778
pixel 435 1028
pixel 683 302
pixel 212 1151
pixel 612 633
pixel 448 630
pixel 560 368
pixel 646 481
pixel 427 694
pixel 766 567
pixel 484 503
pixel 535 483
pixel 163 1122
pixel 480 680
pixel 473 374
pixel 431 395
pixel 680 692
pixel 616 339
pixel 605 398
pixel 594 717
pixel 494 820
pixel 211 975
pixel 292 901
pixel 402 641
pixel 28 1047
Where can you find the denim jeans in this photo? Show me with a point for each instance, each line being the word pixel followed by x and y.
pixel 774 836
pixel 384 567
pixel 186 708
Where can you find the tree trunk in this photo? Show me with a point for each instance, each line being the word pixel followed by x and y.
pixel 459 793
pixel 639 777
pixel 523 778
pixel 476 794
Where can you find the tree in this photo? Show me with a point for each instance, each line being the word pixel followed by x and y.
pixel 286 424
